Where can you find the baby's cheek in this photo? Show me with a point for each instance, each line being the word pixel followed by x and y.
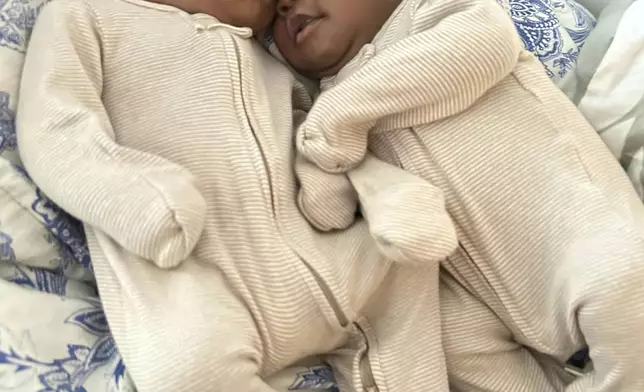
pixel 280 33
pixel 283 41
pixel 265 15
pixel 256 14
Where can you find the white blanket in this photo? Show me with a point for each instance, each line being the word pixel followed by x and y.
pixel 608 85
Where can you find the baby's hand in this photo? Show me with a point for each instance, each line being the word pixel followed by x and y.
pixel 327 200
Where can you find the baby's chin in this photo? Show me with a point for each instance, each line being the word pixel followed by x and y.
pixel 314 67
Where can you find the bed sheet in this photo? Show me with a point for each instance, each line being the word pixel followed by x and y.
pixel 54 335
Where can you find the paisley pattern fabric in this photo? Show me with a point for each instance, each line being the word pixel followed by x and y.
pixel 53 333
pixel 17 17
pixel 554 30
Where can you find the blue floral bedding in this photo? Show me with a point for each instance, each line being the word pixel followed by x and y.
pixel 554 30
pixel 54 337
pixel 53 333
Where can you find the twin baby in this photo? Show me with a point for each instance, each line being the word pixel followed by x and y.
pixel 499 236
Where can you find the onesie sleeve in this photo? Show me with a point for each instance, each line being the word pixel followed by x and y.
pixel 148 205
pixel 456 51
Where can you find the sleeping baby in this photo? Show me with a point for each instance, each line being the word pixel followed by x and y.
pixel 551 254
pixel 168 130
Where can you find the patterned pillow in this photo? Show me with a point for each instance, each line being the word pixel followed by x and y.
pixel 554 30
pixel 17 18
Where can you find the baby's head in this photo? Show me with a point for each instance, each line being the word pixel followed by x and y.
pixel 256 14
pixel 319 37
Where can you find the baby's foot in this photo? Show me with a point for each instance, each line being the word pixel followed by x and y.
pixel 406 214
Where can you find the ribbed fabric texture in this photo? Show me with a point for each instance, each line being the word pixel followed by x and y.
pixel 146 203
pixel 117 92
pixel 551 232
pixel 406 214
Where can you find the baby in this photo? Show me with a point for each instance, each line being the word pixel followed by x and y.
pixel 551 254
pixel 168 130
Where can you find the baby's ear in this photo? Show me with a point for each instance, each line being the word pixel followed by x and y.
pixel 406 215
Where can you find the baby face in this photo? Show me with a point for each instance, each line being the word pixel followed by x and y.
pixel 319 37
pixel 256 14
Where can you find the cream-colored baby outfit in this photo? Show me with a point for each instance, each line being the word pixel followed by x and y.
pixel 171 136
pixel 551 232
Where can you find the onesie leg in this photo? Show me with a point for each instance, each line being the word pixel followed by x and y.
pixel 481 353
pixel 199 328
pixel 606 284
pixel 178 330
pixel 607 297
pixel 205 337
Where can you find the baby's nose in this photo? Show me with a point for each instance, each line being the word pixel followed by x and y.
pixel 284 6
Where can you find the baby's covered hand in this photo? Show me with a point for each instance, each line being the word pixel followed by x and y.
pixel 327 200
pixel 406 214
pixel 167 222
pixel 149 206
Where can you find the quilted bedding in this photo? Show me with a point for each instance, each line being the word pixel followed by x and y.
pixel 53 333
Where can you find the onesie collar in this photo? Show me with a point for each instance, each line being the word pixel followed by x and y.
pixel 200 22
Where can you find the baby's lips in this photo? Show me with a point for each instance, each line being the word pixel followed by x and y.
pixel 313 143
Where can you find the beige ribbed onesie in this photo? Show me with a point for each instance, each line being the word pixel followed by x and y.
pixel 551 233
pixel 165 132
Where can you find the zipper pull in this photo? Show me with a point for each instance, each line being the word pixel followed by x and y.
pixel 366 373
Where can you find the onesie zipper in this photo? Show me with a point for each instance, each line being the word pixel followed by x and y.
pixel 364 364
pixel 263 167
pixel 341 318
